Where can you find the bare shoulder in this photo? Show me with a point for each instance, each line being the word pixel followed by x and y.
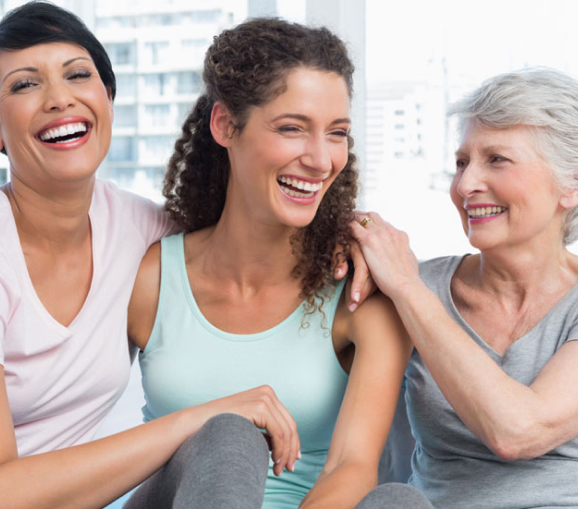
pixel 375 321
pixel 145 297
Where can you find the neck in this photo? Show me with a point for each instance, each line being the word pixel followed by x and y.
pixel 254 254
pixel 520 274
pixel 56 219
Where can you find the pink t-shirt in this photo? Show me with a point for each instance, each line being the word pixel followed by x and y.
pixel 63 381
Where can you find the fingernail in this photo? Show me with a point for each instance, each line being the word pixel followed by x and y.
pixel 356 296
pixel 352 306
pixel 277 461
pixel 338 272
pixel 299 454
pixel 291 468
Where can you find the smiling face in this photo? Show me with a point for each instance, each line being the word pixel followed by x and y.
pixel 504 190
pixel 55 114
pixel 290 150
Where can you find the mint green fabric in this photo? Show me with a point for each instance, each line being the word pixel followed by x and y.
pixel 188 361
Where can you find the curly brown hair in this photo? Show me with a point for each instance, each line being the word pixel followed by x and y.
pixel 247 66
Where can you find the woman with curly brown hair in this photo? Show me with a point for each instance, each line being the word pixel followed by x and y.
pixel 241 314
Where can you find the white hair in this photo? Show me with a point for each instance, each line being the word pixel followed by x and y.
pixel 544 99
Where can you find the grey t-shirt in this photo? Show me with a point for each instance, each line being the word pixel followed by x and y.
pixel 452 467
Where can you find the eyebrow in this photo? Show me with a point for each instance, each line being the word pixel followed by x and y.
pixel 305 118
pixel 486 150
pixel 35 69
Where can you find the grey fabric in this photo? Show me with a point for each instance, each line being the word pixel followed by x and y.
pixel 223 466
pixel 450 465
pixel 395 461
pixel 394 496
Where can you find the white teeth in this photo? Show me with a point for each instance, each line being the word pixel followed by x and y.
pixel 480 212
pixel 64 130
pixel 301 185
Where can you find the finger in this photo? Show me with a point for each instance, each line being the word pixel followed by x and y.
pixel 360 276
pixel 279 428
pixel 340 269
pixel 279 434
pixel 369 288
pixel 294 441
pixel 358 231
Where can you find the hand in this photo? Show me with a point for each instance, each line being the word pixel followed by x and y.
pixel 262 407
pixel 386 251
pixel 362 285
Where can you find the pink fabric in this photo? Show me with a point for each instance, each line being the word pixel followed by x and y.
pixel 62 381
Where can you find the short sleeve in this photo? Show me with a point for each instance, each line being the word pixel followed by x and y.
pixel 573 334
pixel 150 218
pixel 7 299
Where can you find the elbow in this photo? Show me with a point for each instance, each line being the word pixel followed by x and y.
pixel 522 441
pixel 506 450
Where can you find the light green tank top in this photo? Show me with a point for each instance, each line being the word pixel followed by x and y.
pixel 188 361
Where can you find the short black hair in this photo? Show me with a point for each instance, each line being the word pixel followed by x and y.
pixel 40 22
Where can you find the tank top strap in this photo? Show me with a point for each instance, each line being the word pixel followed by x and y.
pixel 172 264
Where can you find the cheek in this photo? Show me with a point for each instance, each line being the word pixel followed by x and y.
pixel 339 158
pixel 456 198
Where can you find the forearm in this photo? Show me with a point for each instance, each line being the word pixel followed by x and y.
pixel 96 473
pixel 342 488
pixel 505 414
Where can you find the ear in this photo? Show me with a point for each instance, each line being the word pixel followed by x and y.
pixel 222 126
pixel 569 200
pixel 110 108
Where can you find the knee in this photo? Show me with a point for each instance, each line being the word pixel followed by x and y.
pixel 235 434
pixel 395 495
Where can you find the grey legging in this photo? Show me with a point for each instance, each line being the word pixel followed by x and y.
pixel 224 466
pixel 395 496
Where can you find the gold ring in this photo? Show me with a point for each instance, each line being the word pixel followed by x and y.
pixel 365 221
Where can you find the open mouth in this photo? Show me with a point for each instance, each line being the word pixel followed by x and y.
pixel 482 212
pixel 64 133
pixel 298 188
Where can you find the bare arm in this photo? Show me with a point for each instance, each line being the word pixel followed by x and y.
pixel 90 475
pixel 381 353
pixel 513 420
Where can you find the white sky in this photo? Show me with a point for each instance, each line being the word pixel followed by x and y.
pixel 479 38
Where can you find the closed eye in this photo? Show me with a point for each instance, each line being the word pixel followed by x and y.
pixel 22 84
pixel 289 129
pixel 80 75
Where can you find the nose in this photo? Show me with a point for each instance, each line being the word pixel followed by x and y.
pixel 317 155
pixel 470 180
pixel 58 97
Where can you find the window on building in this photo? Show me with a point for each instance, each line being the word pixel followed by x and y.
pixel 122 53
pixel 156 52
pixel 183 110
pixel 125 116
pixel 156 84
pixel 157 115
pixel 156 149
pixel 125 85
pixel 122 149
pixel 189 82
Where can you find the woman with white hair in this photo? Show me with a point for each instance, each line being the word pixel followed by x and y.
pixel 492 385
